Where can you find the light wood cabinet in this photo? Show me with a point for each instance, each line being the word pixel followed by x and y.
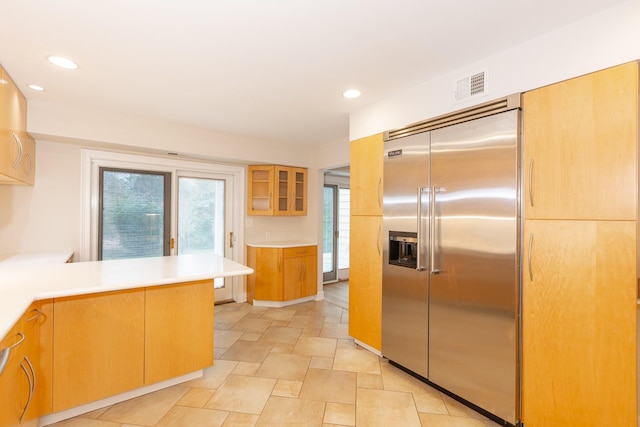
pixel 277 190
pixel 24 382
pixel 365 253
pixel 579 251
pixel 579 323
pixel 17 148
pixel 580 147
pixel 365 280
pixel 366 175
pixel 178 330
pixel 282 274
pixel 98 346
pixel 13 383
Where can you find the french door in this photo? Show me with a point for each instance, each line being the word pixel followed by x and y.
pixel 158 213
pixel 335 242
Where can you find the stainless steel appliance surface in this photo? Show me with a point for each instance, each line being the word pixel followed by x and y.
pixel 452 316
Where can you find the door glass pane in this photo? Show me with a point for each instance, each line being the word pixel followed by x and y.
pixel 201 217
pixel 343 228
pixel 328 230
pixel 133 215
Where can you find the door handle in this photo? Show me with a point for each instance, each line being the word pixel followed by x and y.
pixel 433 234
pixel 419 236
pixel 529 256
pixel 378 239
pixel 379 188
pixel 231 239
pixel 531 182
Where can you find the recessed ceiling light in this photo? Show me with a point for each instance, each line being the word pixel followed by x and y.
pixel 351 93
pixel 36 87
pixel 63 62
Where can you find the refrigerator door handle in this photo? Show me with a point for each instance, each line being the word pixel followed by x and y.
pixel 432 231
pixel 419 235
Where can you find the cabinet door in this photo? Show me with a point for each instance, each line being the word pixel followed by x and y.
pixel 260 190
pixel 268 275
pixel 13 120
pixel 365 280
pixel 366 175
pixel 579 323
pixel 13 384
pixel 309 284
pixel 99 346
pixel 293 273
pixel 580 147
pixel 178 330
pixel 298 190
pixel 282 187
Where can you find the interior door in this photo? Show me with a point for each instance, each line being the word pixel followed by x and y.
pixel 204 226
pixel 329 234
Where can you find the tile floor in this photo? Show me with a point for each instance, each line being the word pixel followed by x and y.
pixel 293 366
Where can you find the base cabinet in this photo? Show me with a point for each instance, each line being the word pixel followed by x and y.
pixel 282 274
pixel 579 317
pixel 98 346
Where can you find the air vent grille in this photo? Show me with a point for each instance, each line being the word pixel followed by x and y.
pixel 469 86
pixel 482 110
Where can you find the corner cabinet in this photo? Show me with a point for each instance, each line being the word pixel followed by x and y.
pixel 579 243
pixel 282 273
pixel 17 148
pixel 277 191
pixel 365 275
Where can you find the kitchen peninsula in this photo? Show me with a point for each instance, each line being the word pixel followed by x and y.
pixel 122 328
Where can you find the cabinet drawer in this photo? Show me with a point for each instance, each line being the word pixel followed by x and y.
pixel 299 251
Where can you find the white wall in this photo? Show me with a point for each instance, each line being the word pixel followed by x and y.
pixel 599 41
pixel 45 217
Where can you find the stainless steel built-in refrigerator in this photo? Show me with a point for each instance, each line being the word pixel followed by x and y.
pixel 450 294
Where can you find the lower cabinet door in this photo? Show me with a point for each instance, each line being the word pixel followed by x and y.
pixel 179 329
pixel 98 346
pixel 579 323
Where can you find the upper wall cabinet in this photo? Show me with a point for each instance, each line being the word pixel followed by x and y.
pixel 580 147
pixel 367 155
pixel 17 148
pixel 277 190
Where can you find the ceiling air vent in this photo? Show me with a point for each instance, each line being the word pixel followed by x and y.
pixel 470 86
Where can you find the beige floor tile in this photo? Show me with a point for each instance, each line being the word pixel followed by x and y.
pixel 281 335
pixel 248 351
pixel 145 410
pixel 279 314
pixel 340 414
pixel 180 416
pixel 347 343
pixel 380 408
pixel 356 361
pixel 252 325
pixel 329 386
pixel 372 381
pixel 306 321
pixel 215 375
pixel 236 419
pixel 228 316
pixel 225 339
pixel 430 403
pixel 284 366
pixel 282 348
pixel 286 388
pixel 335 330
pixel 396 379
pixel 436 420
pixel 321 362
pixel 96 414
pixel 242 394
pixel 345 317
pixel 246 368
pixel 223 326
pixel 85 422
pixel 332 320
pixel 457 409
pixel 285 412
pixel 315 346
pixel 280 323
pixel 218 352
pixel 196 397
pixel 310 332
pixel 251 336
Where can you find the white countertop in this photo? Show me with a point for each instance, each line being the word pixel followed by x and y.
pixel 280 244
pixel 39 258
pixel 22 283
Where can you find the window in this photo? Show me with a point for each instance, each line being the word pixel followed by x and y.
pixel 134 215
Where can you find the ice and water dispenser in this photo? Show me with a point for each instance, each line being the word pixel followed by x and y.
pixel 403 248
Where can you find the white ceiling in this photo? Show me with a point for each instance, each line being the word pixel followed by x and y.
pixel 272 69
